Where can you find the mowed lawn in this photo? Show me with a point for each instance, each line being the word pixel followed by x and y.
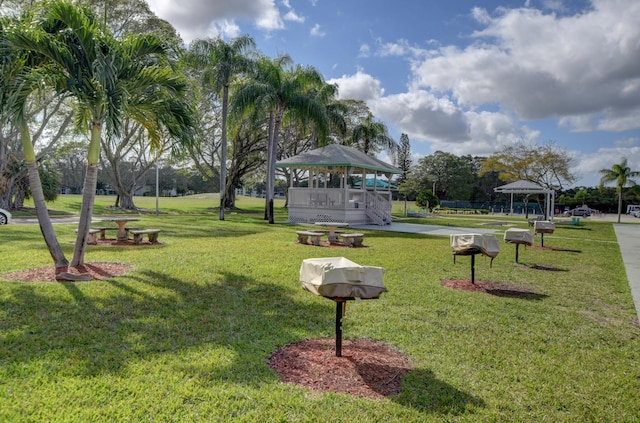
pixel 186 335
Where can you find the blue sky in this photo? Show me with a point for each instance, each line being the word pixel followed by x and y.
pixel 466 77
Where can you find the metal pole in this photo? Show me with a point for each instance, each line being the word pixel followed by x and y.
pixel 517 246
pixel 473 269
pixel 339 305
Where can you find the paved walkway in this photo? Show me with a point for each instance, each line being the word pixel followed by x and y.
pixel 629 242
pixel 415 228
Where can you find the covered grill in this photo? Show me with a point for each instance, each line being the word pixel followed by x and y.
pixel 518 236
pixel 472 244
pixel 543 227
pixel 340 280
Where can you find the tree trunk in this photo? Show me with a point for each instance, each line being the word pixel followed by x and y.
pixel 619 203
pixel 223 151
pixel 271 177
pixel 86 213
pixel 88 194
pixel 126 201
pixel 44 220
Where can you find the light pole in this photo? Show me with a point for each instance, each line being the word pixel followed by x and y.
pixel 157 186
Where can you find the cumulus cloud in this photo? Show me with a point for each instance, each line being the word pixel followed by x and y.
pixel 435 118
pixel 200 17
pixel 582 68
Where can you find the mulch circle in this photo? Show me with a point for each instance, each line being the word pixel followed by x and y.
pixel 489 287
pixel 367 368
pixel 332 244
pixel 114 242
pixel 97 271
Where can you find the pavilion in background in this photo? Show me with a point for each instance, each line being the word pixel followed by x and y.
pixel 330 195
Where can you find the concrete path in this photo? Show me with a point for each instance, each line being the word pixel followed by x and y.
pixel 414 228
pixel 629 242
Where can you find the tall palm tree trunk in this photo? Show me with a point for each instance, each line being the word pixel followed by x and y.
pixel 44 220
pixel 619 202
pixel 223 151
pixel 88 195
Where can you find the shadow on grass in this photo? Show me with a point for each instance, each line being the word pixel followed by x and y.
pixel 105 329
pixel 422 391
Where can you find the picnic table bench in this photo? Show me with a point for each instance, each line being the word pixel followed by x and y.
pixel 352 240
pixel 103 230
pixel 93 236
pixel 138 235
pixel 303 236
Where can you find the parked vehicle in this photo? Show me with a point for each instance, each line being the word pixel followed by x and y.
pixel 5 217
pixel 580 212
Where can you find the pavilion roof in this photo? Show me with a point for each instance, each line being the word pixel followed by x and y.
pixel 335 155
pixel 522 187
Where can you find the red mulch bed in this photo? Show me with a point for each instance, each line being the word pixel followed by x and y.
pixel 488 287
pixel 369 369
pixel 98 271
pixel 332 244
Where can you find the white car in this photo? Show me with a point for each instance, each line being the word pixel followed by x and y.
pixel 5 217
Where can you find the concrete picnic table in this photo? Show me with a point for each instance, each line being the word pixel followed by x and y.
pixel 123 235
pixel 333 226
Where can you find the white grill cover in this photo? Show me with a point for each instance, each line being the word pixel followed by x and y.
pixel 518 236
pixel 486 244
pixel 544 227
pixel 340 277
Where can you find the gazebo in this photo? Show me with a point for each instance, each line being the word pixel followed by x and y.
pixel 321 201
pixel 528 187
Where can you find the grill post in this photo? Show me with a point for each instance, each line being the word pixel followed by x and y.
pixel 473 269
pixel 339 307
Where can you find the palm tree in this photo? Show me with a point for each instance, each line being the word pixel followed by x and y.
pixel 17 82
pixel 221 61
pixel 371 135
pixel 621 174
pixel 278 88
pixel 110 80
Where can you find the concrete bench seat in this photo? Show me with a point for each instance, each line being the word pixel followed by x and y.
pixel 304 235
pixel 103 230
pixel 93 236
pixel 152 235
pixel 352 240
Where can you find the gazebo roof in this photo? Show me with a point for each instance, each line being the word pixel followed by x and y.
pixel 335 155
pixel 522 187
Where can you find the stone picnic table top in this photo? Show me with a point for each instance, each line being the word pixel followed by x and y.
pixel 121 221
pixel 332 226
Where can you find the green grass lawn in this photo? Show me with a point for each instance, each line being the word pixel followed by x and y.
pixel 186 335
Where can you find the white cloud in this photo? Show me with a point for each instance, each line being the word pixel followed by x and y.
pixel 317 32
pixel 582 68
pixel 590 164
pixel 360 86
pixel 293 17
pixel 200 18
pixel 434 119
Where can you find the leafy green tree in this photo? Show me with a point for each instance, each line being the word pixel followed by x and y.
pixel 547 165
pixel 220 62
pixel 426 199
pixel 17 82
pixel 402 158
pixel 110 80
pixel 620 174
pixel 371 136
pixel 278 87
